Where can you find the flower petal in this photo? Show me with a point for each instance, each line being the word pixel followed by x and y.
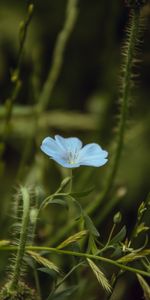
pixel 50 147
pixel 93 155
pixel 71 144
pixel 63 162
pixel 94 163
pixel 56 152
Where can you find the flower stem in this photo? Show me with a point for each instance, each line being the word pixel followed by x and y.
pixel 71 181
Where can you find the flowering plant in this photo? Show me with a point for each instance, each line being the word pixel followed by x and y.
pixel 82 223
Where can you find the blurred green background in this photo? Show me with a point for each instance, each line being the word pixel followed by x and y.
pixel 84 103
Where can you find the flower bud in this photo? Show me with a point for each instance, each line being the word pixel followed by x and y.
pixel 31 9
pixel 117 218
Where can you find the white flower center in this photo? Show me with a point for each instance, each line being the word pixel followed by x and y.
pixel 72 157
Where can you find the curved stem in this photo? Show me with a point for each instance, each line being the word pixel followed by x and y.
pixel 57 61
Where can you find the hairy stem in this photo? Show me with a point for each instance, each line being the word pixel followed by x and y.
pixel 23 239
pixel 130 49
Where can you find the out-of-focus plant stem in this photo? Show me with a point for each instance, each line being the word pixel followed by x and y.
pixel 57 61
pixel 58 55
pixel 15 79
pixel 23 118
pixel 129 52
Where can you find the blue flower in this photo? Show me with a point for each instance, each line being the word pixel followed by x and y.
pixel 70 153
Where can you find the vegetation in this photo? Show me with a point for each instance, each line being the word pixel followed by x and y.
pixel 75 69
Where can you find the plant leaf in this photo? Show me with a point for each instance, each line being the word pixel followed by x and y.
pixel 130 257
pixel 65 182
pixel 49 272
pixel 59 202
pixel 4 243
pixel 145 287
pixel 100 276
pixel 75 208
pixel 90 225
pixel 73 238
pixel 63 294
pixel 145 252
pixel 119 237
pixel 141 228
pixel 43 261
pixel 92 248
pixel 82 194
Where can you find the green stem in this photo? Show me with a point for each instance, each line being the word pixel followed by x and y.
pixel 22 241
pixel 111 233
pixel 113 285
pixel 68 274
pixel 23 32
pixel 126 90
pixel 37 283
pixel 80 254
pixel 22 116
pixel 108 241
pixel 71 181
pixel 67 228
pixel 57 61
pixel 15 78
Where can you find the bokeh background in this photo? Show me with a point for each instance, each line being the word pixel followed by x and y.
pixel 84 103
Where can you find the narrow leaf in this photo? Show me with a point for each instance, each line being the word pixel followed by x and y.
pixel 62 295
pixel 90 225
pixel 59 202
pixel 43 261
pixel 146 252
pixel 4 243
pixel 145 287
pixel 75 208
pixel 65 182
pixel 49 272
pixel 73 238
pixel 100 276
pixel 82 194
pixel 141 228
pixel 92 248
pixel 130 257
pixel 119 237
